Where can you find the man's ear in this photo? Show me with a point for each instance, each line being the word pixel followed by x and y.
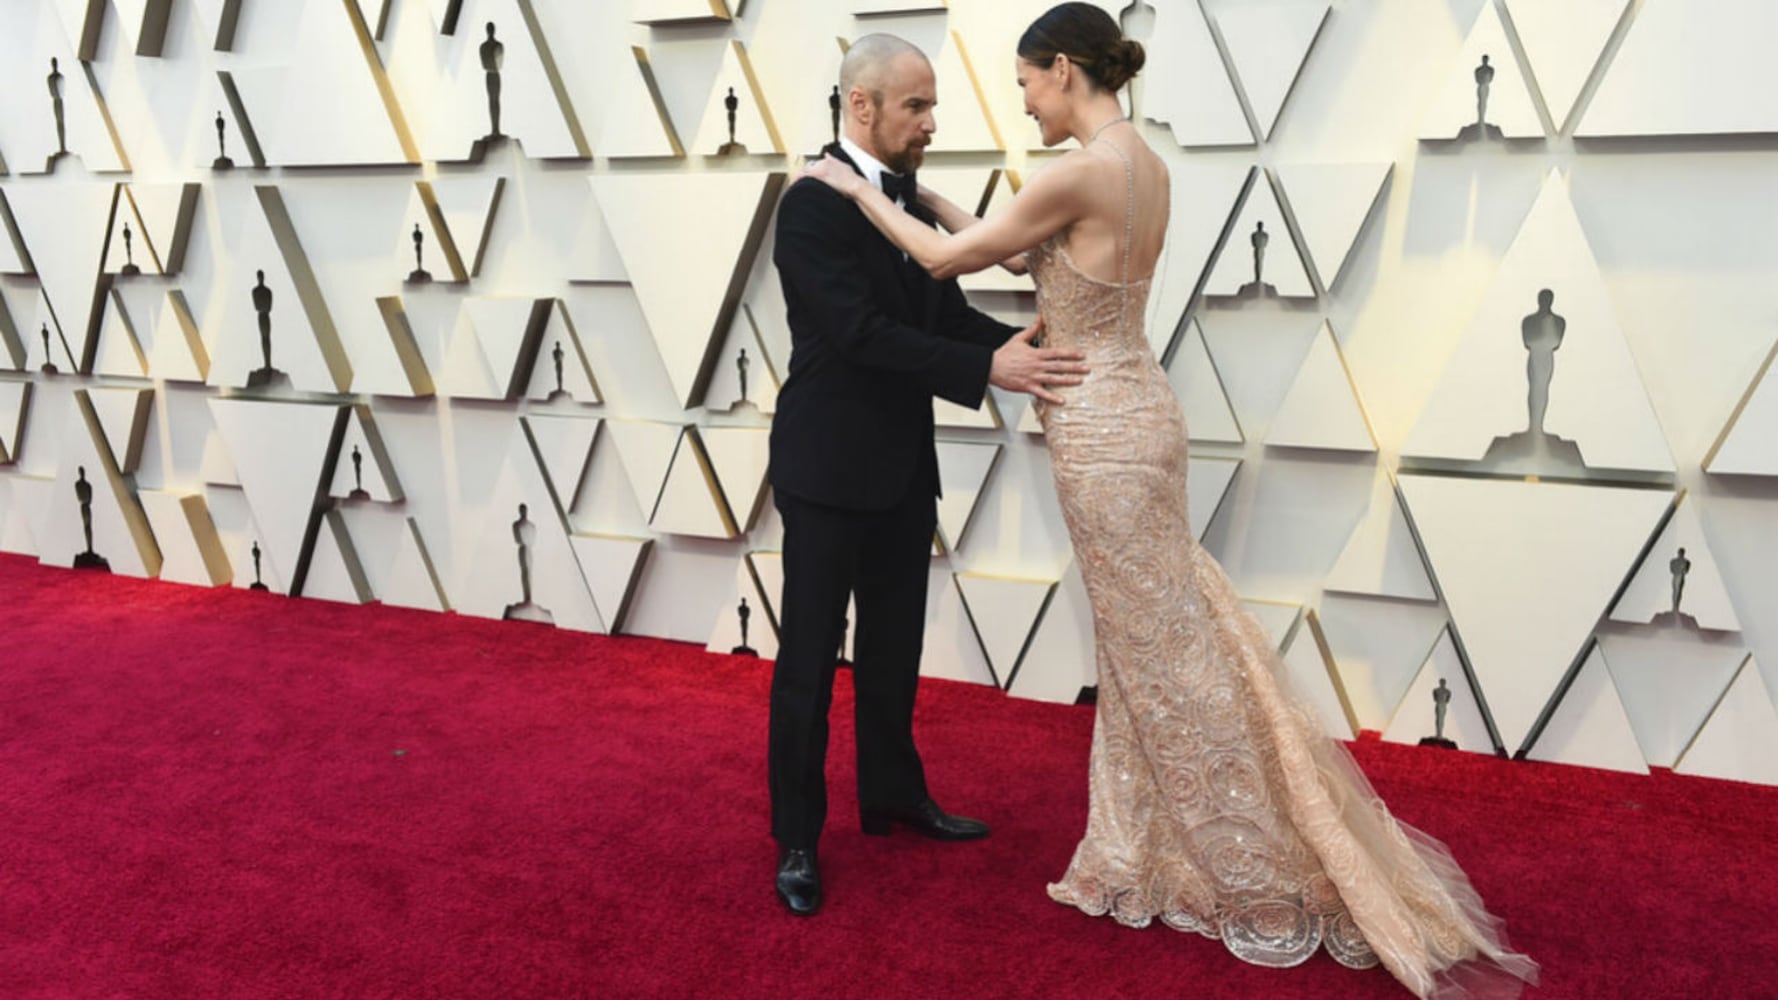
pixel 860 104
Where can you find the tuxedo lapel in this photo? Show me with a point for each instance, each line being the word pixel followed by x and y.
pixel 915 282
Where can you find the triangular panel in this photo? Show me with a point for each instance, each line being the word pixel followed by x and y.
pixel 1204 197
pixel 561 371
pixel 280 452
pixel 1004 611
pixel 1280 620
pixel 1689 70
pixel 1548 294
pixel 1378 646
pixel 595 257
pixel 321 97
pixel 1322 410
pixel 15 402
pixel 534 106
pixel 691 503
pixel 1669 679
pixel 1417 717
pixel 509 332
pixel 755 131
pixel 413 579
pixel 1381 557
pixel 738 457
pixel 1679 581
pixel 94 517
pixel 612 566
pixel 1563 42
pixel 816 112
pixel 119 353
pixel 951 649
pixel 1207 482
pixel 1484 95
pixel 969 124
pixel 1186 86
pixel 468 205
pixel 122 416
pixel 524 565
pixel 646 449
pixel 1060 660
pixel 1197 383
pixel 335 572
pixel 364 469
pixel 282 314
pixel 1310 665
pixel 176 352
pixel 963 471
pixel 81 134
pixel 191 550
pixel 1527 569
pixel 1748 445
pixel 742 623
pixel 564 447
pixel 746 377
pixel 636 120
pixel 14 258
pixel 688 242
pixel 1740 741
pixel 1589 726
pixel 1268 42
pixel 1260 259
pixel 1330 202
pixel 64 228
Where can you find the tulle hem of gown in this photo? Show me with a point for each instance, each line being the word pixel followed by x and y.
pixel 1491 970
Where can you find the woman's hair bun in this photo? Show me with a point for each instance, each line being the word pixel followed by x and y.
pixel 1121 62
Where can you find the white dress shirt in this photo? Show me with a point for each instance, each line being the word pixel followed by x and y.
pixel 872 168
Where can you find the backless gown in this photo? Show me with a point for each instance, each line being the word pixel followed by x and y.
pixel 1216 802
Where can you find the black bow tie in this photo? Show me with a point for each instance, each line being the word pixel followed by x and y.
pixel 900 187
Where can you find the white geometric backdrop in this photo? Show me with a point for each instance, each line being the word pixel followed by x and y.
pixel 1412 462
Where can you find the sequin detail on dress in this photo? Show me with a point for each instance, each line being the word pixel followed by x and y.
pixel 1217 805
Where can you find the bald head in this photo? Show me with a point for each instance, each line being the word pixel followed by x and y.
pixel 869 63
pixel 889 93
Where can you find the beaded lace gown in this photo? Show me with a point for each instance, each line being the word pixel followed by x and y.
pixel 1217 805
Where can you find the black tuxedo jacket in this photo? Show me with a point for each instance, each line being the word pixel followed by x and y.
pixel 873 339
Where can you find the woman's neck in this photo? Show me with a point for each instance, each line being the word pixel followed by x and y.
pixel 1094 115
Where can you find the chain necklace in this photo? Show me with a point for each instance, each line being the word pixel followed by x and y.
pixel 1114 121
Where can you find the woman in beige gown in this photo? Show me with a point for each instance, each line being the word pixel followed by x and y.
pixel 1217 804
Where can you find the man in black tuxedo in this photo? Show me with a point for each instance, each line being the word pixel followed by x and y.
pixel 854 471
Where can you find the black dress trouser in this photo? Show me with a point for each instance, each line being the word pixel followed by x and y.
pixel 881 559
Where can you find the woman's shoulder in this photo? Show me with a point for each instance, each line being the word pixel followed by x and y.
pixel 1073 174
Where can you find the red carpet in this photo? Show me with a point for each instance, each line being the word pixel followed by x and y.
pixel 225 794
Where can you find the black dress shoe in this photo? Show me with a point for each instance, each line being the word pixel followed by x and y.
pixel 799 881
pixel 926 819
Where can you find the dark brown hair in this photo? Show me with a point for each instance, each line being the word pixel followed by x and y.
pixel 1090 39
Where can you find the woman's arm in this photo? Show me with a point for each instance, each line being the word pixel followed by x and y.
pixel 1049 203
pixel 949 214
pixel 952 216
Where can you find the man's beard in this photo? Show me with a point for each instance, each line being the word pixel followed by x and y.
pixel 902 161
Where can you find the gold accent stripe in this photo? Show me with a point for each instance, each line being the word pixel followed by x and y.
pixel 1728 427
pixel 564 102
pixel 654 94
pixel 975 84
pixel 759 95
pixel 374 62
